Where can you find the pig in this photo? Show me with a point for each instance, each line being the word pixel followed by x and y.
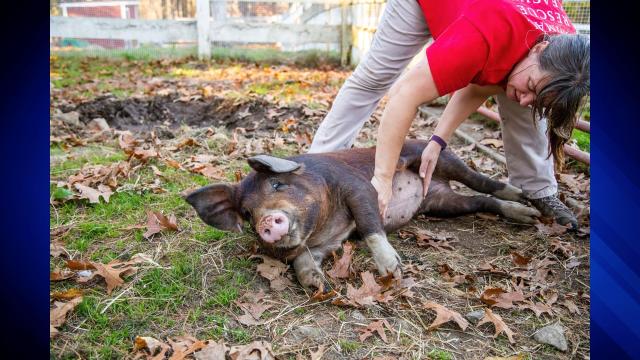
pixel 303 207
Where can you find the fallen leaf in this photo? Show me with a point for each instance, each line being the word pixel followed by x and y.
pixel 58 314
pixel 342 268
pixel 317 355
pixel 498 323
pixel 376 326
pixel 365 295
pixel 257 350
pixel 153 347
pixel 157 222
pixel 565 248
pixel 554 230
pixel 80 265
pixel 444 315
pixel 92 194
pixel 252 312
pixel 537 307
pixel 519 259
pixel 571 306
pixel 272 270
pixel 213 351
pixel 500 298
pixel 67 294
pixel 492 142
pixel 113 271
pixel 183 346
pixel 60 275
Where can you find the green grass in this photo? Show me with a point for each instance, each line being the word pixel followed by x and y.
pixel 349 346
pixel 583 139
pixel 437 354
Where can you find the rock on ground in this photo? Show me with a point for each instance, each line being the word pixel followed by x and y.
pixel 552 335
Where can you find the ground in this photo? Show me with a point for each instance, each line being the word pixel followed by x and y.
pixel 193 123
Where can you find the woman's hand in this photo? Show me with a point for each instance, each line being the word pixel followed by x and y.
pixel 383 187
pixel 430 156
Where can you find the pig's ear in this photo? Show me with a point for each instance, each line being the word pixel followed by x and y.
pixel 215 205
pixel 266 163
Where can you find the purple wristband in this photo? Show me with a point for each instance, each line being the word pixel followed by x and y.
pixel 439 140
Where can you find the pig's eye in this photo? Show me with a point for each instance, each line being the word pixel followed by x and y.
pixel 246 214
pixel 278 186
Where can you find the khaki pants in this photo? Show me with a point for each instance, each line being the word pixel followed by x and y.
pixel 403 32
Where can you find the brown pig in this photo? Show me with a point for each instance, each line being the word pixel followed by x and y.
pixel 305 206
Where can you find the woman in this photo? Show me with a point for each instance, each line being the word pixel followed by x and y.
pixel 523 52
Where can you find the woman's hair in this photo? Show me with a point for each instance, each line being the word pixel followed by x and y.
pixel 567 60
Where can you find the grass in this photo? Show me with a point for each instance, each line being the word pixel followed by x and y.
pixel 437 354
pixel 349 346
pixel 583 139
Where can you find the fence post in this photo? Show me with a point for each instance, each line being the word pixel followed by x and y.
pixel 344 41
pixel 203 19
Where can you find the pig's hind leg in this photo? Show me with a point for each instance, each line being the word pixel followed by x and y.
pixel 441 201
pixel 452 168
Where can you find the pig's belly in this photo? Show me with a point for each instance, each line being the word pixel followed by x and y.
pixel 406 199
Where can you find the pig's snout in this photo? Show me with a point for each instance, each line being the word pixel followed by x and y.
pixel 272 227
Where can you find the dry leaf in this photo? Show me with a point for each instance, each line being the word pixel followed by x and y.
pixel 67 294
pixel 272 270
pixel 499 298
pixel 444 315
pixel 154 347
pixel 519 259
pixel 342 268
pixel 58 314
pixel 213 351
pixel 157 222
pixel 92 194
pixel 365 295
pixel 60 275
pixel 113 272
pixel 554 230
pixel 376 326
pixel 257 350
pixel 492 142
pixel 498 323
pixel 537 307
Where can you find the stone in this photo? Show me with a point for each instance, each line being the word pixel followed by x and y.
pixel 552 335
pixel 358 315
pixel 475 316
pixel 98 124
pixel 307 332
pixel 70 118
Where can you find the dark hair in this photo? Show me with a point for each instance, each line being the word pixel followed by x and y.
pixel 567 60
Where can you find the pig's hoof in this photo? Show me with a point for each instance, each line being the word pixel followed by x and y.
pixel 510 193
pixel 519 212
pixel 314 280
pixel 389 263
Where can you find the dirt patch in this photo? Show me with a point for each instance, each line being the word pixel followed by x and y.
pixel 170 111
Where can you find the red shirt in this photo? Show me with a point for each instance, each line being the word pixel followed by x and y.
pixel 480 41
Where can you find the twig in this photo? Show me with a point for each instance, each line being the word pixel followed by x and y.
pixel 114 299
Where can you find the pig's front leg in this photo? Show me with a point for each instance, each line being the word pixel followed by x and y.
pixel 308 271
pixel 363 204
pixel 384 255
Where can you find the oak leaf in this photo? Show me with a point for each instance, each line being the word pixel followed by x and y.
pixel 272 270
pixel 444 315
pixel 500 298
pixel 498 323
pixel 92 194
pixel 157 222
pixel 67 294
pixel 342 268
pixel 257 350
pixel 213 351
pixel 376 326
pixel 58 314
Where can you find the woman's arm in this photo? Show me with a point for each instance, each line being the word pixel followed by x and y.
pixel 414 88
pixel 462 104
